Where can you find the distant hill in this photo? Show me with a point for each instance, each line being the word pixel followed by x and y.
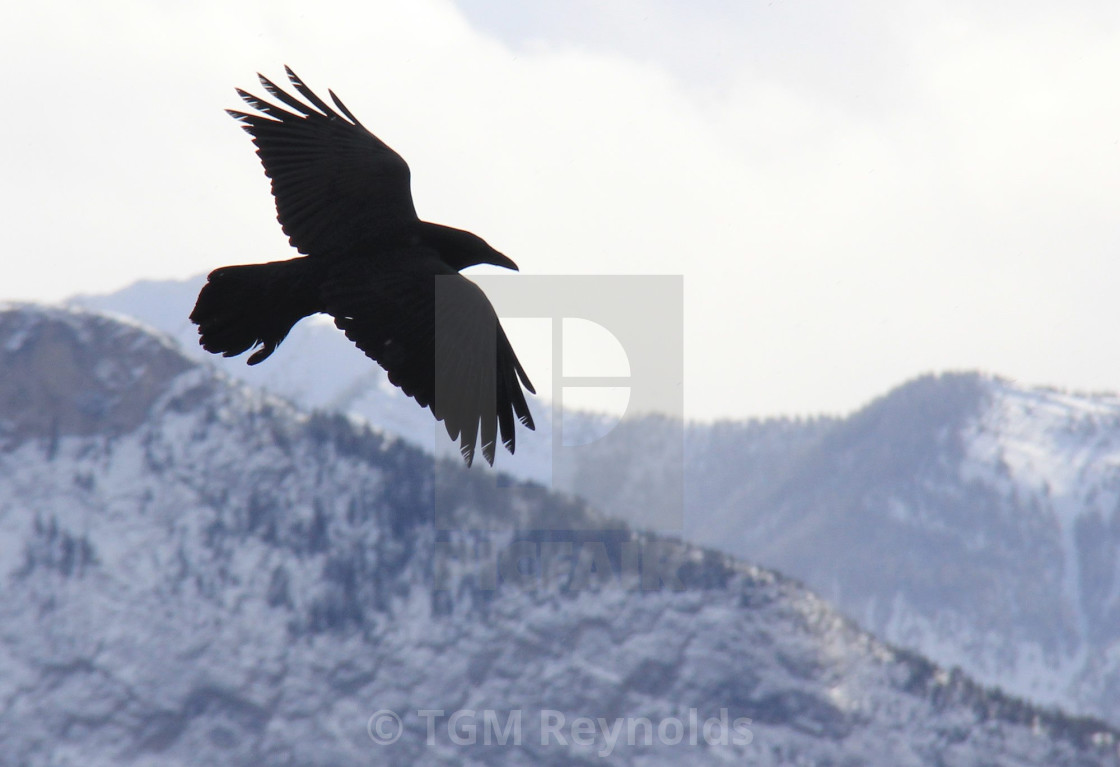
pixel 195 573
pixel 962 515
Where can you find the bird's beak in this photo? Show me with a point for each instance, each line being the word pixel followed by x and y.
pixel 500 259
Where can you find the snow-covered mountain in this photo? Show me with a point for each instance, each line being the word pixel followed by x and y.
pixel 964 516
pixel 972 519
pixel 195 573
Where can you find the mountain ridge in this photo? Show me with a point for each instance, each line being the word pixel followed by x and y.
pixel 231 580
pixel 929 515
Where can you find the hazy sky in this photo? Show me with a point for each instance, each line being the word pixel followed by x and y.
pixel 854 193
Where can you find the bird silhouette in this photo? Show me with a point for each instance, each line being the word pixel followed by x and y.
pixel 390 281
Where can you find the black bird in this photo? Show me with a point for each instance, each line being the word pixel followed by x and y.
pixel 344 200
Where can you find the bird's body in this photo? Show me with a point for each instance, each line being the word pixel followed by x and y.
pixel 390 280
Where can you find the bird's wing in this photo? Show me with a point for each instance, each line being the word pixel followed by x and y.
pixel 337 186
pixel 438 337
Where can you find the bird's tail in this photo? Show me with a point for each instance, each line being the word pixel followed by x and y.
pixel 241 307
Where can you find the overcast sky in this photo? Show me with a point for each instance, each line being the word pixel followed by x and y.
pixel 854 193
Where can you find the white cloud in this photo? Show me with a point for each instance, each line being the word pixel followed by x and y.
pixel 853 198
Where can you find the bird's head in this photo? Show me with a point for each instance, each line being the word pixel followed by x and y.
pixel 459 249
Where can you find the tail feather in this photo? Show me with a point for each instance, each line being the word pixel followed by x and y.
pixel 241 307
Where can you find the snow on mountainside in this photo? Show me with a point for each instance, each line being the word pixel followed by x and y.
pixel 195 573
pixel 964 516
pixel 1057 456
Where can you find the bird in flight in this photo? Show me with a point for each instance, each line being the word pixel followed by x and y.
pixel 390 281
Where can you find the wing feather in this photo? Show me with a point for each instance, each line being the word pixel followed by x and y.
pixel 339 189
pixel 439 339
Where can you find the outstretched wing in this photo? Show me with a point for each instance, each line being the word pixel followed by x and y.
pixel 438 337
pixel 338 188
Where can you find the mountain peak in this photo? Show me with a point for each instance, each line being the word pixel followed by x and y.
pixel 68 371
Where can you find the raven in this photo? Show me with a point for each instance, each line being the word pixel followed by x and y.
pixel 390 281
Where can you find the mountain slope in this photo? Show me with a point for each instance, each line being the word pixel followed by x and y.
pixel 961 515
pixel 195 573
pixel 971 519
